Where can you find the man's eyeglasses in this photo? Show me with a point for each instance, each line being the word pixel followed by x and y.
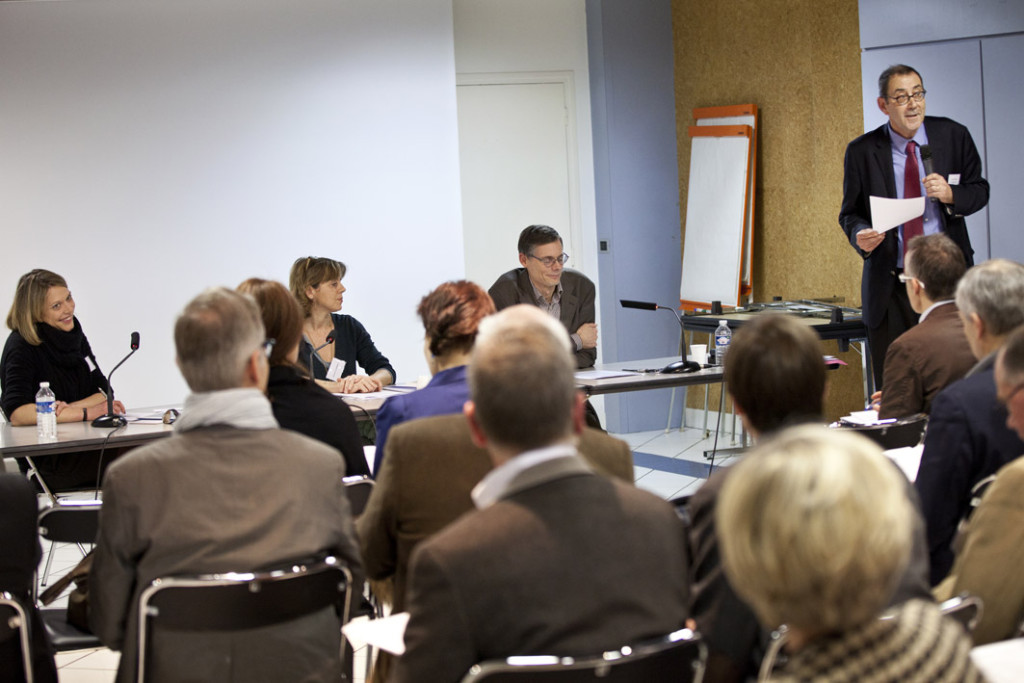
pixel 549 261
pixel 902 99
pixel 268 346
pixel 904 278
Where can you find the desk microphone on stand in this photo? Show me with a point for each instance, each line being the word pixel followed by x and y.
pixel 330 339
pixel 110 420
pixel 687 365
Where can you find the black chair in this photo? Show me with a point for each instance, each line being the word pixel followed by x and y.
pixel 358 487
pixel 14 622
pixel 965 609
pixel 238 602
pixel 906 431
pixel 68 522
pixel 678 657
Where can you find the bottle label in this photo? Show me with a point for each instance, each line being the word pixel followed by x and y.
pixel 44 406
pixel 722 340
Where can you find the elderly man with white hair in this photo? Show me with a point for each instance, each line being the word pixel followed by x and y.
pixel 967 438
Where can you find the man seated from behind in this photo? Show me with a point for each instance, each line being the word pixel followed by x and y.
pixel 776 376
pixel 816 534
pixel 991 547
pixel 228 492
pixel 967 438
pixel 922 361
pixel 556 560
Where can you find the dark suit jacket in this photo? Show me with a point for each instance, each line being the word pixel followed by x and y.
pixel 868 171
pixel 923 361
pixel 967 440
pixel 424 484
pixel 577 304
pixel 565 563
pixel 734 638
pixel 19 556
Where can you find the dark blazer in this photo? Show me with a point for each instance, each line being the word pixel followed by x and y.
pixel 868 171
pixel 923 361
pixel 734 638
pixel 514 287
pixel 967 440
pixel 19 557
pixel 565 563
pixel 303 406
pixel 445 394
pixel 424 484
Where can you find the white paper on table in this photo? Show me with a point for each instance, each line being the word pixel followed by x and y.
pixel 887 213
pixel 387 634
pixel 1001 662
pixel 908 459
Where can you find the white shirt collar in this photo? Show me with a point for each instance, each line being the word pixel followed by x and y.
pixel 493 486
pixel 932 308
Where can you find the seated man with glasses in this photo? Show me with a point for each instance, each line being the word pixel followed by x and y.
pixel 229 491
pixel 933 354
pixel 909 156
pixel 543 281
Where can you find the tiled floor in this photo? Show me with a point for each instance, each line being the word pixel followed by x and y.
pixel 668 464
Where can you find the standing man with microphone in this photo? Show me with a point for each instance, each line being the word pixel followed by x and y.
pixel 909 156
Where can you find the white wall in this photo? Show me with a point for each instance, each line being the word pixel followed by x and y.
pixel 152 148
pixel 498 36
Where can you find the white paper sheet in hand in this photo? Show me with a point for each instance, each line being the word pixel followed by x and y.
pixel 887 213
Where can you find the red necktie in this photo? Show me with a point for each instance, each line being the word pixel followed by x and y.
pixel 911 188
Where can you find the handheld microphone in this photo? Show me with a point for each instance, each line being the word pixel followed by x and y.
pixel 330 339
pixel 926 161
pixel 110 420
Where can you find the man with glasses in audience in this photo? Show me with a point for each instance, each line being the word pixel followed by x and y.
pixel 543 281
pixel 890 161
pixel 229 491
pixel 925 359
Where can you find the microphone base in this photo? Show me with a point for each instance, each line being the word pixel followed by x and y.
pixel 109 421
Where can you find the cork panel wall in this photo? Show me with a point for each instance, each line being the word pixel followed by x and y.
pixel 799 62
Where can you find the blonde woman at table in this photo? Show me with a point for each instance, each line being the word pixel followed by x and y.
pixel 47 344
pixel 316 284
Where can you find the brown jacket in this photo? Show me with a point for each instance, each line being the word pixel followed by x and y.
pixel 923 361
pixel 430 467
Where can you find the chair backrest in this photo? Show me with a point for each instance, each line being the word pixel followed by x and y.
pixel 965 609
pixel 235 602
pixel 71 521
pixel 358 487
pixel 679 656
pixel 14 619
pixel 906 431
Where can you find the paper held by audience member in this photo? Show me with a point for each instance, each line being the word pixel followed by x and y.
pixel 387 634
pixel 908 458
pixel 887 213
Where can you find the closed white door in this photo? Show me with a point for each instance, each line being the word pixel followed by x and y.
pixel 517 169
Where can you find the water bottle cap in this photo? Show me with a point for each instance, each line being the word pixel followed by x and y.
pixel 723 322
pixel 44 385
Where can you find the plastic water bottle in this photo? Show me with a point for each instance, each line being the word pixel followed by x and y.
pixel 723 337
pixel 46 413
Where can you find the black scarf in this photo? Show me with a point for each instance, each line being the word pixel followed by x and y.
pixel 67 349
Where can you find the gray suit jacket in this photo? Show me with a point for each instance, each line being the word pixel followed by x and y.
pixel 566 563
pixel 430 467
pixel 578 294
pixel 212 500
